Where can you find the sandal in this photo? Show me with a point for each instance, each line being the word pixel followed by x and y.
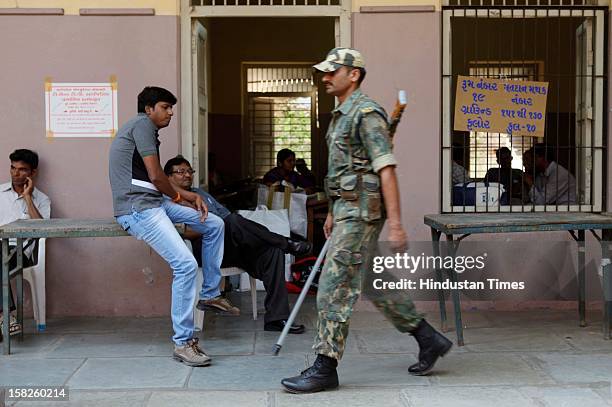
pixel 14 327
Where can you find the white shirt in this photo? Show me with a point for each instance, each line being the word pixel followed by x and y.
pixel 13 207
pixel 555 186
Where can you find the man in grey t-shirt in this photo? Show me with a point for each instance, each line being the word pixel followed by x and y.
pixel 139 185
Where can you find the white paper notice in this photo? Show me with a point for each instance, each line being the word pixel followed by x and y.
pixel 81 109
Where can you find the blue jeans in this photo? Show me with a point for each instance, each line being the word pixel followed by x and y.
pixel 156 227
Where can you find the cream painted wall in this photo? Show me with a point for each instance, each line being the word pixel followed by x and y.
pixel 400 51
pixel 71 7
pixel 96 276
pixel 357 4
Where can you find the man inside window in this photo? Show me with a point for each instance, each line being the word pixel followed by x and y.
pixel 510 178
pixel 553 184
pixel 20 199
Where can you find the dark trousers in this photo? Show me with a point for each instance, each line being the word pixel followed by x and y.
pixel 261 254
pixel 26 263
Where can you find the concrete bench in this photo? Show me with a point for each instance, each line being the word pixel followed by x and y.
pixel 466 224
pixel 44 228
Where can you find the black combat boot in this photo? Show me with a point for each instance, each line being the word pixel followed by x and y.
pixel 432 345
pixel 320 376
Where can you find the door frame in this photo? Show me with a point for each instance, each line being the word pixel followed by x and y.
pixel 189 145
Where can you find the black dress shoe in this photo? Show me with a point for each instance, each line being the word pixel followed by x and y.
pixel 279 325
pixel 298 248
pixel 432 345
pixel 322 375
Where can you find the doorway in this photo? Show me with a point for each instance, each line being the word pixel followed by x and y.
pixel 217 38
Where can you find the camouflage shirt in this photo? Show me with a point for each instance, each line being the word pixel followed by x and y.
pixel 370 147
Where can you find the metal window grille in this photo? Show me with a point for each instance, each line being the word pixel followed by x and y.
pixel 279 79
pixel 530 3
pixel 562 45
pixel 483 146
pixel 279 122
pixel 281 113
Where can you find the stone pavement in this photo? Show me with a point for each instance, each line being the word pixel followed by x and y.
pixel 528 358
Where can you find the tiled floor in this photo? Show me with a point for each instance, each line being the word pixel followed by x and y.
pixel 511 358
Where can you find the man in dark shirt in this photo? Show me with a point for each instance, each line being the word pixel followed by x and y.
pixel 139 184
pixel 510 178
pixel 285 171
pixel 247 245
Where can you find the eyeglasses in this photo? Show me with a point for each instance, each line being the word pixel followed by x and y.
pixel 183 172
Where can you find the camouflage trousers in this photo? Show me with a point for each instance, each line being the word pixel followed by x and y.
pixel 347 267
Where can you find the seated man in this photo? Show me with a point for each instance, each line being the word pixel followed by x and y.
pixel 138 185
pixel 304 171
pixel 285 171
pixel 459 173
pixel 20 199
pixel 553 184
pixel 510 178
pixel 247 245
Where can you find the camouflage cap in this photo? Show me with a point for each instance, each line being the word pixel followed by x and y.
pixel 338 57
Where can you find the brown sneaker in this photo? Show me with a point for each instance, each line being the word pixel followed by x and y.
pixel 218 304
pixel 191 354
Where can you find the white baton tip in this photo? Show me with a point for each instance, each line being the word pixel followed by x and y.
pixel 401 96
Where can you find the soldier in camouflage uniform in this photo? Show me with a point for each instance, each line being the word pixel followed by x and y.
pixel 361 172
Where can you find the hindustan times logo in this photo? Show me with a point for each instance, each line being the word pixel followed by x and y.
pixel 422 262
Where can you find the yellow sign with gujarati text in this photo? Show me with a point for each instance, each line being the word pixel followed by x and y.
pixel 492 105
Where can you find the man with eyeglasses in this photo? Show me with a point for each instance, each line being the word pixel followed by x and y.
pixel 20 199
pixel 139 184
pixel 248 245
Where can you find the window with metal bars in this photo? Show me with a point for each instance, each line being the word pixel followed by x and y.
pixel 281 113
pixel 277 79
pixel 564 46
pixel 484 146
pixel 531 3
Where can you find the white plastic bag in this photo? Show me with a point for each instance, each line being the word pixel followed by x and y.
pixel 294 202
pixel 487 195
pixel 276 220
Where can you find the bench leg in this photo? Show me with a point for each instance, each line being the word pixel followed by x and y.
pixel 435 240
pixel 41 297
pixel 19 286
pixel 253 296
pixel 198 319
pixel 606 241
pixel 581 278
pixel 453 246
pixel 6 342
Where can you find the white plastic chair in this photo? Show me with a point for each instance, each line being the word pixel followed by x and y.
pixel 198 315
pixel 35 276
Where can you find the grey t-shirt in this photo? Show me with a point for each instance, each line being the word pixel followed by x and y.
pixel 132 188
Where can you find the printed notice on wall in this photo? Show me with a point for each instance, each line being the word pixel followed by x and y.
pixel 500 106
pixel 81 109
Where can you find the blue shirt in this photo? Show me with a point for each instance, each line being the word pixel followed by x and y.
pixel 214 207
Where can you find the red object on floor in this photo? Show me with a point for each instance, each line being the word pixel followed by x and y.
pixel 300 270
pixel 294 289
